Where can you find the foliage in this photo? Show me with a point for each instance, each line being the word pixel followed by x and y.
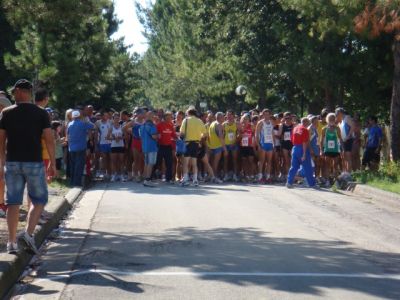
pixel 66 46
pixel 387 178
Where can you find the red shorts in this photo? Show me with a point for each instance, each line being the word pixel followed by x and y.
pixel 137 144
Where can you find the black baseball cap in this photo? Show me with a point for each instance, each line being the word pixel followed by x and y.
pixel 22 84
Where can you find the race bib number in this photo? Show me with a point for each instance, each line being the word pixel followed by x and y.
pixel 268 139
pixel 286 136
pixel 331 144
pixel 245 141
pixel 231 136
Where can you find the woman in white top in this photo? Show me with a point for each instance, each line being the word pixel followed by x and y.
pixel 116 136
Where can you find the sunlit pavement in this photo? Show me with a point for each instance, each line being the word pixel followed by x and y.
pixel 125 241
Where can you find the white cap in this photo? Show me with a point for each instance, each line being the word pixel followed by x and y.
pixel 4 101
pixel 76 114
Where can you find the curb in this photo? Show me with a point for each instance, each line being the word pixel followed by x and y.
pixel 371 192
pixel 12 266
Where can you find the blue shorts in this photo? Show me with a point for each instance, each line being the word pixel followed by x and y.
pixel 267 147
pixel 232 147
pixel 150 158
pixel 217 150
pixel 105 148
pixel 316 150
pixel 31 174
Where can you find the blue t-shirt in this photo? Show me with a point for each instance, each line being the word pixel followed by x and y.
pixel 135 130
pixel 148 143
pixel 77 133
pixel 374 135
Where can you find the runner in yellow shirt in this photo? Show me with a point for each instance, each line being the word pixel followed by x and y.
pixel 193 131
pixel 217 141
pixel 231 137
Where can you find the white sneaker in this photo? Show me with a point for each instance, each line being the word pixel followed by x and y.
pixel 217 180
pixel 149 183
pixel 226 177
pixel 185 183
pixel 12 248
pixel 124 178
pixel 235 178
pixel 195 182
pixel 113 178
pixel 29 242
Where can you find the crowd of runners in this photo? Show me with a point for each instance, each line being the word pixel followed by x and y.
pixel 150 146
pixel 254 146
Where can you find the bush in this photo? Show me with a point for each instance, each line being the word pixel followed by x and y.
pixel 388 171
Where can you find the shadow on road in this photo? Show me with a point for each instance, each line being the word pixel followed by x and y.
pixel 232 250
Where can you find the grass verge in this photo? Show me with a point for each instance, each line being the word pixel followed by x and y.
pixel 387 178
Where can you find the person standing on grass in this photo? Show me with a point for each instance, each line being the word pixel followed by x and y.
pixel 21 128
pixel 149 135
pixel 371 157
pixel 77 133
pixel 346 126
pixel 4 102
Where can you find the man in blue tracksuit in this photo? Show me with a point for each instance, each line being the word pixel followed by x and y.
pixel 301 154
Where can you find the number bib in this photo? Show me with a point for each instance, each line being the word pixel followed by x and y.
pixel 331 144
pixel 286 136
pixel 245 141
pixel 231 136
pixel 268 138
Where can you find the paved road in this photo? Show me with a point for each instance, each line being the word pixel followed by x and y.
pixel 223 242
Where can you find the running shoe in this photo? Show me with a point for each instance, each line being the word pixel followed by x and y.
pixel 124 178
pixel 261 181
pixel 148 183
pixel 216 180
pixel 289 186
pixel 235 178
pixel 12 248
pixel 113 178
pixel 3 210
pixel 195 182
pixel 268 181
pixel 29 243
pixel 185 183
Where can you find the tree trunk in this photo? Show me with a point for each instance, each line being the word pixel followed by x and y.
pixel 262 95
pixel 329 98
pixel 395 106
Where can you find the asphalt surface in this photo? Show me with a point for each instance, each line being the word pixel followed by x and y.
pixel 126 241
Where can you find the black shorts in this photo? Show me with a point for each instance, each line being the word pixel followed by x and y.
pixel 331 154
pixel 370 155
pixel 119 150
pixel 201 153
pixel 246 152
pixel 90 147
pixel 348 145
pixel 287 145
pixel 192 149
pixel 278 148
pixel 59 164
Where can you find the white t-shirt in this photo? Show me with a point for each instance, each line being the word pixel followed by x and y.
pixel 117 132
pixel 104 128
pixel 345 127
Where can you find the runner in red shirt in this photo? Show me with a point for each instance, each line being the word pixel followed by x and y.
pixel 301 154
pixel 166 142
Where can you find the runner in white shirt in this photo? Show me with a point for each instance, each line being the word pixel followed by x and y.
pixel 103 127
